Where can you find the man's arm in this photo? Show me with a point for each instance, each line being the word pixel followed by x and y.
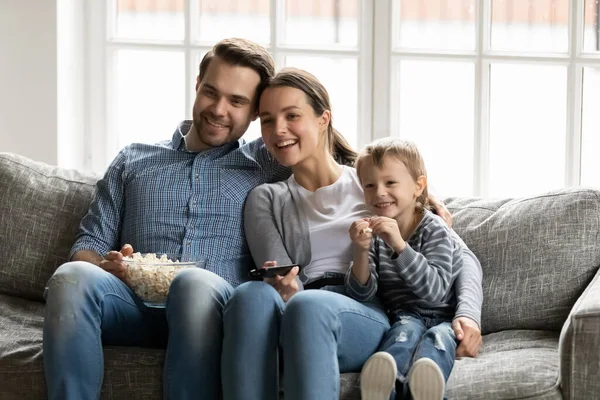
pixel 275 171
pixel 112 262
pixel 100 227
pixel 88 256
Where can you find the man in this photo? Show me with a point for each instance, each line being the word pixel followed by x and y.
pixel 182 196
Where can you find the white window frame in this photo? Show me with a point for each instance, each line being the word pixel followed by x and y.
pixel 385 59
pixel 101 135
pixel 377 60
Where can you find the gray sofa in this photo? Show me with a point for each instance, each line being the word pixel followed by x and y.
pixel 541 314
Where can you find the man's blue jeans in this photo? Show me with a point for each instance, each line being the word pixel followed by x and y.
pixel 87 307
pixel 414 336
pixel 321 333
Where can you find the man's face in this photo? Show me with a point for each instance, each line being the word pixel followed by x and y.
pixel 224 103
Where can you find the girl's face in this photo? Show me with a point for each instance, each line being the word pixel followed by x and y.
pixel 290 129
pixel 390 190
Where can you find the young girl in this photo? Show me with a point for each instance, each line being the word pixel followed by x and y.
pixel 303 220
pixel 409 258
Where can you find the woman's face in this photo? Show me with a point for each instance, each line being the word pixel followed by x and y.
pixel 290 129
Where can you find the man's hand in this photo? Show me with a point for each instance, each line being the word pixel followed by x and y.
pixel 287 285
pixel 441 210
pixel 113 261
pixel 467 331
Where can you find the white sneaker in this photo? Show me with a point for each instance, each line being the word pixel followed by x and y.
pixel 426 381
pixel 378 377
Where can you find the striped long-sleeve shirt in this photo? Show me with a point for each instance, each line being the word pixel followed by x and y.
pixel 421 277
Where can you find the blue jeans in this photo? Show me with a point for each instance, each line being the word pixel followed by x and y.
pixel 321 333
pixel 87 307
pixel 414 336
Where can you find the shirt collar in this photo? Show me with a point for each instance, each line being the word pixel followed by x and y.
pixel 178 143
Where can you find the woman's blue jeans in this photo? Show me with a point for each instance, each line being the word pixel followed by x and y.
pixel 320 332
pixel 87 307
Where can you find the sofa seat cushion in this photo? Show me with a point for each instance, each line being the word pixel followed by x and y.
pixel 131 372
pixel 515 364
pixel 512 364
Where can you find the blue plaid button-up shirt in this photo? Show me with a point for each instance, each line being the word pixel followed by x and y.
pixel 163 199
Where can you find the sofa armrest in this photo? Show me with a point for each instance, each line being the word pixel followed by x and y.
pixel 579 346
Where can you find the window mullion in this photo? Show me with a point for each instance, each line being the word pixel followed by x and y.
pixel 482 101
pixel 276 15
pixel 96 87
pixel 190 75
pixel 574 95
pixel 382 74
pixel 365 60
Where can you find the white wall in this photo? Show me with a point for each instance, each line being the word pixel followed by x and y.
pixel 28 79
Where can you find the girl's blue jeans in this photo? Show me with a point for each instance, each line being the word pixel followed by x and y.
pixel 414 336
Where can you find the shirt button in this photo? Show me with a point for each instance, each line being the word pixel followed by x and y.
pixel 197 176
pixel 189 242
pixel 194 202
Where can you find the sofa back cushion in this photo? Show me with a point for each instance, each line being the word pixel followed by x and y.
pixel 537 254
pixel 40 210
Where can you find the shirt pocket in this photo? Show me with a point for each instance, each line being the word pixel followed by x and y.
pixel 236 183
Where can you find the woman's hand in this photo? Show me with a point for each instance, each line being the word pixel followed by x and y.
pixel 441 210
pixel 287 285
pixel 467 331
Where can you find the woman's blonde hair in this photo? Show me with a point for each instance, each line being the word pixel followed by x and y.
pixel 403 150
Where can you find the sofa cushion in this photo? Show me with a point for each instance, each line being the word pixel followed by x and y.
pixel 130 372
pixel 512 365
pixel 516 364
pixel 538 254
pixel 42 207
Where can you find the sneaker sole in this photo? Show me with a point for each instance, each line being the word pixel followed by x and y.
pixel 426 381
pixel 378 377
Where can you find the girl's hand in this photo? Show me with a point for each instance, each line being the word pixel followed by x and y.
pixel 387 229
pixel 361 234
pixel 287 285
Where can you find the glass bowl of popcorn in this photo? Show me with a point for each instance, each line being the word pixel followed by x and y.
pixel 149 275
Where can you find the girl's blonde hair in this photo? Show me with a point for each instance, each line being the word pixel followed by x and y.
pixel 403 150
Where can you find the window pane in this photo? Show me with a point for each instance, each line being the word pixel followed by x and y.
pixel 321 22
pixel 148 97
pixel 339 76
pixel 590 152
pixel 530 25
pixel 435 24
pixel 219 19
pixel 149 20
pixel 527 129
pixel 436 112
pixel 591 33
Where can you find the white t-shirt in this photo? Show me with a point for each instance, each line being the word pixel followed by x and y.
pixel 330 211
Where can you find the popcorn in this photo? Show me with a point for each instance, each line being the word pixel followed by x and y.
pixel 367 230
pixel 150 276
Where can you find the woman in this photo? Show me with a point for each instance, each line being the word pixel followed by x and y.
pixel 305 221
